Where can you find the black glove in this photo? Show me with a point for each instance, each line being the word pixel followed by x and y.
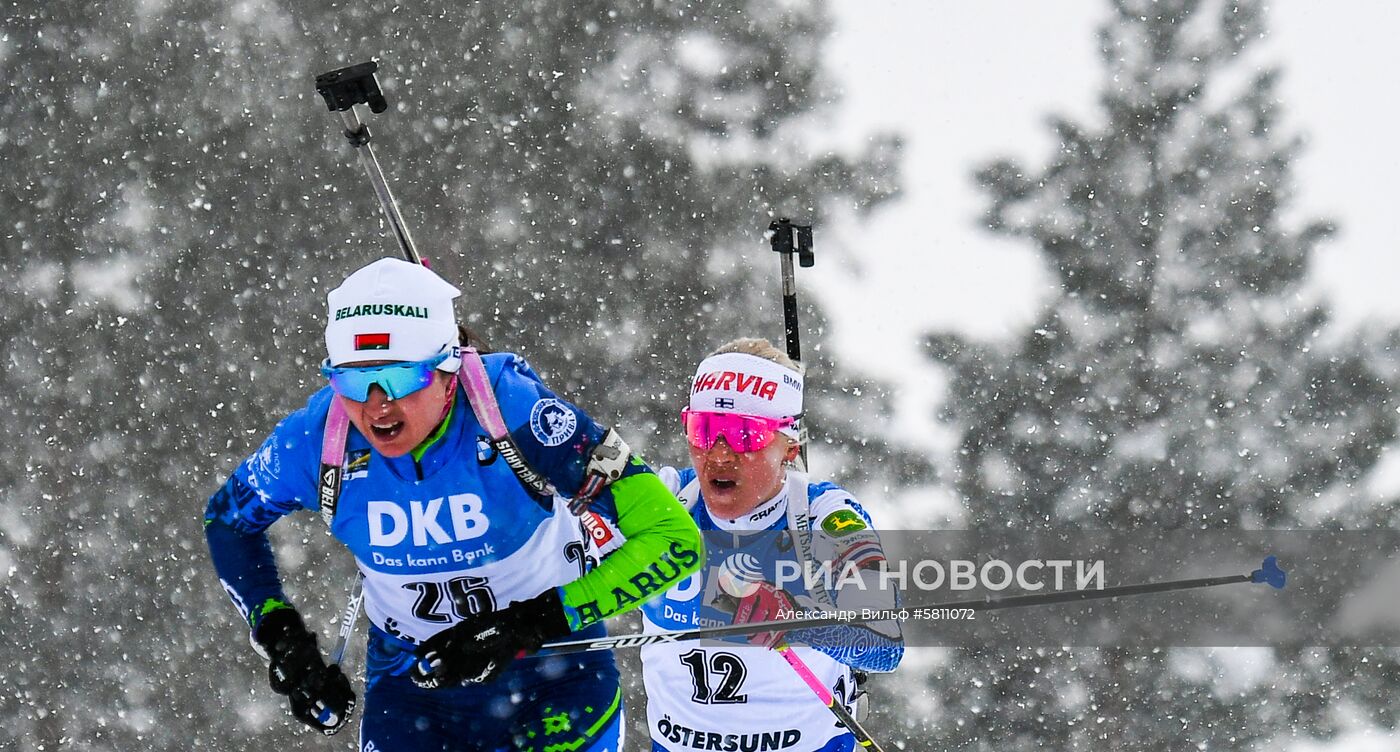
pixel 320 695
pixel 480 647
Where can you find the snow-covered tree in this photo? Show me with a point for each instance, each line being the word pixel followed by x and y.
pixel 1182 376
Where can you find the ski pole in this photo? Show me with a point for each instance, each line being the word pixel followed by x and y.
pixel 347 619
pixel 837 709
pixel 738 580
pixel 1269 574
pixel 787 239
pixel 342 89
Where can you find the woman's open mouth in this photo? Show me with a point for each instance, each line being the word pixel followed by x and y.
pixel 386 430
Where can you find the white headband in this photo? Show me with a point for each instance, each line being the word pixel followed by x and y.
pixel 748 385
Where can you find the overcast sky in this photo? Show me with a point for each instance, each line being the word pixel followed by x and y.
pixel 965 82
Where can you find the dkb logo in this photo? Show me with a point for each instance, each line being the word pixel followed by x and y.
pixel 390 524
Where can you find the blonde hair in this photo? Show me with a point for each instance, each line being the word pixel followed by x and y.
pixel 758 347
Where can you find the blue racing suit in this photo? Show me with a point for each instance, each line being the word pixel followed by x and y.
pixel 448 530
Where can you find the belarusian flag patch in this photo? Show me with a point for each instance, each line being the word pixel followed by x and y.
pixel 378 341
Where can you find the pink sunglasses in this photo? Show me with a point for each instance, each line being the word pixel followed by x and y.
pixel 743 433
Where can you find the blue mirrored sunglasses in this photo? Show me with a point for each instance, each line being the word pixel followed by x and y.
pixel 398 380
